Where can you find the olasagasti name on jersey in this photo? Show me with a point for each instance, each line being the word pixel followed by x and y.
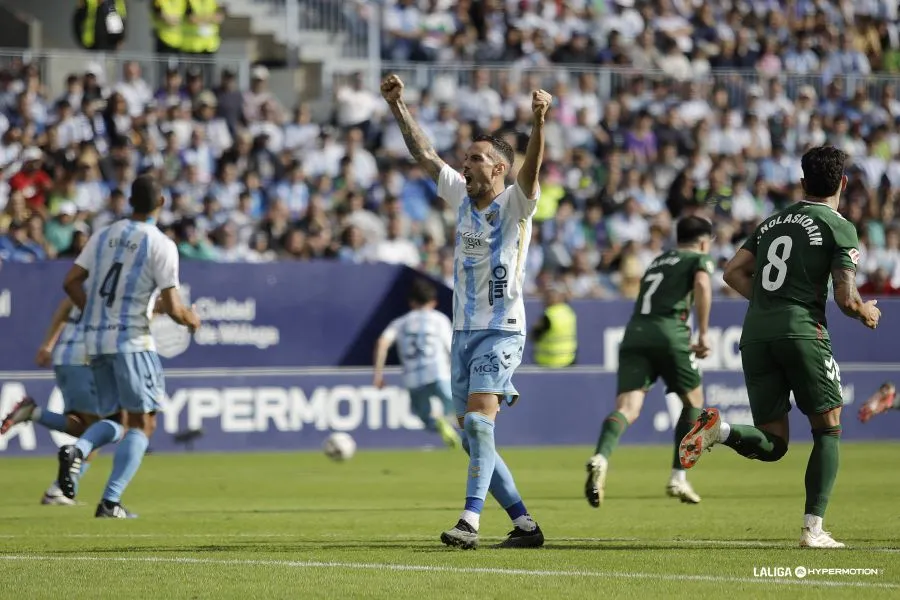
pixel 807 223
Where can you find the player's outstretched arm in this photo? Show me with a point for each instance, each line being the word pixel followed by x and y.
pixel 171 304
pixel 381 352
pixel 739 272
pixel 534 153
pixel 702 306
pixel 74 285
pixel 60 316
pixel 850 302
pixel 416 141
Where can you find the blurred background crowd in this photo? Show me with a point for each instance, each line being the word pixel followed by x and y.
pixel 248 179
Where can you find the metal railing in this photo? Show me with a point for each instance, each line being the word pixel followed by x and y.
pixel 609 81
pixel 348 21
pixel 54 67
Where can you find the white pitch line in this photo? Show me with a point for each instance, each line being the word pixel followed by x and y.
pixel 761 544
pixel 456 570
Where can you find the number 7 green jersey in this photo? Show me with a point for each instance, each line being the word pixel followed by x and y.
pixel 795 251
pixel 665 298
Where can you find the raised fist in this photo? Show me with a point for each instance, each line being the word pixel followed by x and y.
pixel 392 88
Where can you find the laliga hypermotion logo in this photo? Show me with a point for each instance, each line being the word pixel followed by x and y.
pixel 171 338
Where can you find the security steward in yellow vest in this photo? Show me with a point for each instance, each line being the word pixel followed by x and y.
pixel 556 335
pixel 100 24
pixel 168 25
pixel 201 27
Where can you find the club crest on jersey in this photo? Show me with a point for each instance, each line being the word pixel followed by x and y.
pixel 853 253
pixel 492 217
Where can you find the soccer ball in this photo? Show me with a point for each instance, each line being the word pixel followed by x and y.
pixel 339 446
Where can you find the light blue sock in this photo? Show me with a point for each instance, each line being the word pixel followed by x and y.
pixel 52 420
pixel 126 462
pixel 502 487
pixel 482 459
pixel 98 435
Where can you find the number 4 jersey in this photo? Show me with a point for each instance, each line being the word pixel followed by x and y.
pixel 664 302
pixel 423 344
pixel 126 263
pixel 795 251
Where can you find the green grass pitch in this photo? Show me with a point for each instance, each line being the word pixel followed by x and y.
pixel 299 526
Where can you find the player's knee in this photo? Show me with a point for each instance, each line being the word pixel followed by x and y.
pixel 485 404
pixel 779 449
pixel 146 422
pixel 630 404
pixel 477 426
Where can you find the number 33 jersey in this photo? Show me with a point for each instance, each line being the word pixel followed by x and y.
pixel 489 255
pixel 127 262
pixel 796 250
pixel 423 344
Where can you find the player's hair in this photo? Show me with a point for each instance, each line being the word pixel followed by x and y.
pixel 422 292
pixel 823 168
pixel 500 146
pixel 145 194
pixel 692 228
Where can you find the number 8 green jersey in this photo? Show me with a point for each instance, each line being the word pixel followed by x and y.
pixel 795 251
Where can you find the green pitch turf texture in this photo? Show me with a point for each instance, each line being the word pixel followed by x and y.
pixel 299 526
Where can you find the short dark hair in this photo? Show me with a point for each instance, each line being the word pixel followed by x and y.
pixel 145 194
pixel 823 169
pixel 500 146
pixel 422 292
pixel 692 228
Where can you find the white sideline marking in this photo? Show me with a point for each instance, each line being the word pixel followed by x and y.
pixel 763 544
pixel 453 570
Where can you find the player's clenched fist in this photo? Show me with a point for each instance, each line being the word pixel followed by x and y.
pixel 540 102
pixel 392 88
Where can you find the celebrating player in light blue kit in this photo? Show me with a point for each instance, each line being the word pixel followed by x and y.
pixel 112 282
pixel 63 347
pixel 493 229
pixel 423 338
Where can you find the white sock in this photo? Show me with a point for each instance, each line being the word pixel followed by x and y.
pixel 525 523
pixel 724 430
pixel 54 490
pixel 679 475
pixel 36 413
pixel 473 519
pixel 813 523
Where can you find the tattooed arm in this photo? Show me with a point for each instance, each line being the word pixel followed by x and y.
pixel 416 141
pixel 849 301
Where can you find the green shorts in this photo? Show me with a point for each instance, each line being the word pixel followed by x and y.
pixel 774 369
pixel 641 366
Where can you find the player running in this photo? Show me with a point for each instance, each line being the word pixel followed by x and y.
pixel 423 338
pixel 112 282
pixel 657 344
pixel 493 229
pixel 784 270
pixel 63 347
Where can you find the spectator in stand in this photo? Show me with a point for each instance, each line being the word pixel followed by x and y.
pixel 17 246
pixel 32 181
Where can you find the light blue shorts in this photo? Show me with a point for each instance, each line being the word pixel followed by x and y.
pixel 132 382
pixel 437 389
pixel 484 361
pixel 76 383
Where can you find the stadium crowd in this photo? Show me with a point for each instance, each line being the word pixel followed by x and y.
pixel 248 179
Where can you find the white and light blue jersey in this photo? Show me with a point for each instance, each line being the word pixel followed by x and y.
pixel 69 349
pixel 489 257
pixel 126 263
pixel 423 344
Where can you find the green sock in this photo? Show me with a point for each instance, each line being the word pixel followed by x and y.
pixel 821 471
pixel 755 443
pixel 613 428
pixel 689 415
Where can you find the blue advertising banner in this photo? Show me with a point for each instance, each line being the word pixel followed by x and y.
pixel 324 314
pixel 272 409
